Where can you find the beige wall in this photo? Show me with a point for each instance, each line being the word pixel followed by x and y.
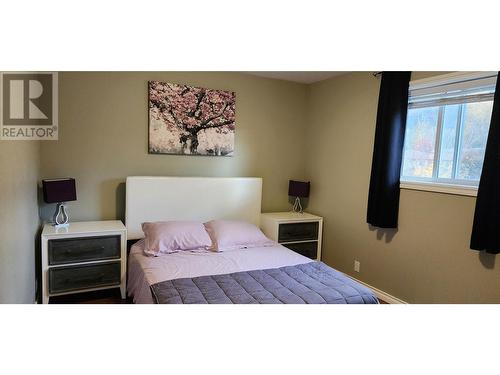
pixel 104 132
pixel 428 259
pixel 19 167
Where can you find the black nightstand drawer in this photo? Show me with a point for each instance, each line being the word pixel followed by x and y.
pixel 85 249
pixel 298 231
pixel 308 249
pixel 66 279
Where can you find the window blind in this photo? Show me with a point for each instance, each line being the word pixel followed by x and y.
pixel 452 89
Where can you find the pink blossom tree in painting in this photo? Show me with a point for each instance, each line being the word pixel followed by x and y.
pixel 190 120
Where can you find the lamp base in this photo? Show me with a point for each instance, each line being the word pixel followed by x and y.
pixel 60 225
pixel 297 206
pixel 61 218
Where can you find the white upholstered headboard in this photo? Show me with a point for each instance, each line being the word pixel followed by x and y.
pixel 190 198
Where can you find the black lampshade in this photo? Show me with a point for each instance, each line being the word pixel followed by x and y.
pixel 59 190
pixel 298 189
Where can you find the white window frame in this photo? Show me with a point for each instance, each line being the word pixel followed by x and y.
pixel 448 186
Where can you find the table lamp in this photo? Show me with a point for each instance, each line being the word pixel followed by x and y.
pixel 298 189
pixel 59 191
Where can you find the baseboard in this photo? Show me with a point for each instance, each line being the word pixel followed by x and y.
pixel 386 297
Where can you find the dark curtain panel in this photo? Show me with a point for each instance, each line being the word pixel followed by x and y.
pixel 486 227
pixel 383 196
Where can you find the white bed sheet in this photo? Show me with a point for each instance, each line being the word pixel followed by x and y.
pixel 144 271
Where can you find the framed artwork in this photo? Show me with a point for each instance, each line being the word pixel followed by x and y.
pixel 187 120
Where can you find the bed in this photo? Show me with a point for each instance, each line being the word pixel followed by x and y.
pixel 270 274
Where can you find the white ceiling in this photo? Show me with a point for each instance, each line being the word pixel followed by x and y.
pixel 301 77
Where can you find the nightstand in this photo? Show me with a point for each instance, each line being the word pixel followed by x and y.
pixel 298 232
pixel 82 257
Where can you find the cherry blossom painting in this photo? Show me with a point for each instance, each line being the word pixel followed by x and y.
pixel 186 120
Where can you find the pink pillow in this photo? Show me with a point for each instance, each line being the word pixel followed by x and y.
pixel 232 235
pixel 171 236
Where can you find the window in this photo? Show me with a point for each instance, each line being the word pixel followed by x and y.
pixel 446 131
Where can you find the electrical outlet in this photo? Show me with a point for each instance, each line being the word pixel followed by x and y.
pixel 356 265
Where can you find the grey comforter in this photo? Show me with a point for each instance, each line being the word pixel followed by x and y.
pixel 312 282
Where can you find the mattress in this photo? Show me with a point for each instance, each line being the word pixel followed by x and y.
pixel 145 271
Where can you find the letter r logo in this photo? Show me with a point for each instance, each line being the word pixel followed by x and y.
pixel 27 99
pixel 35 91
